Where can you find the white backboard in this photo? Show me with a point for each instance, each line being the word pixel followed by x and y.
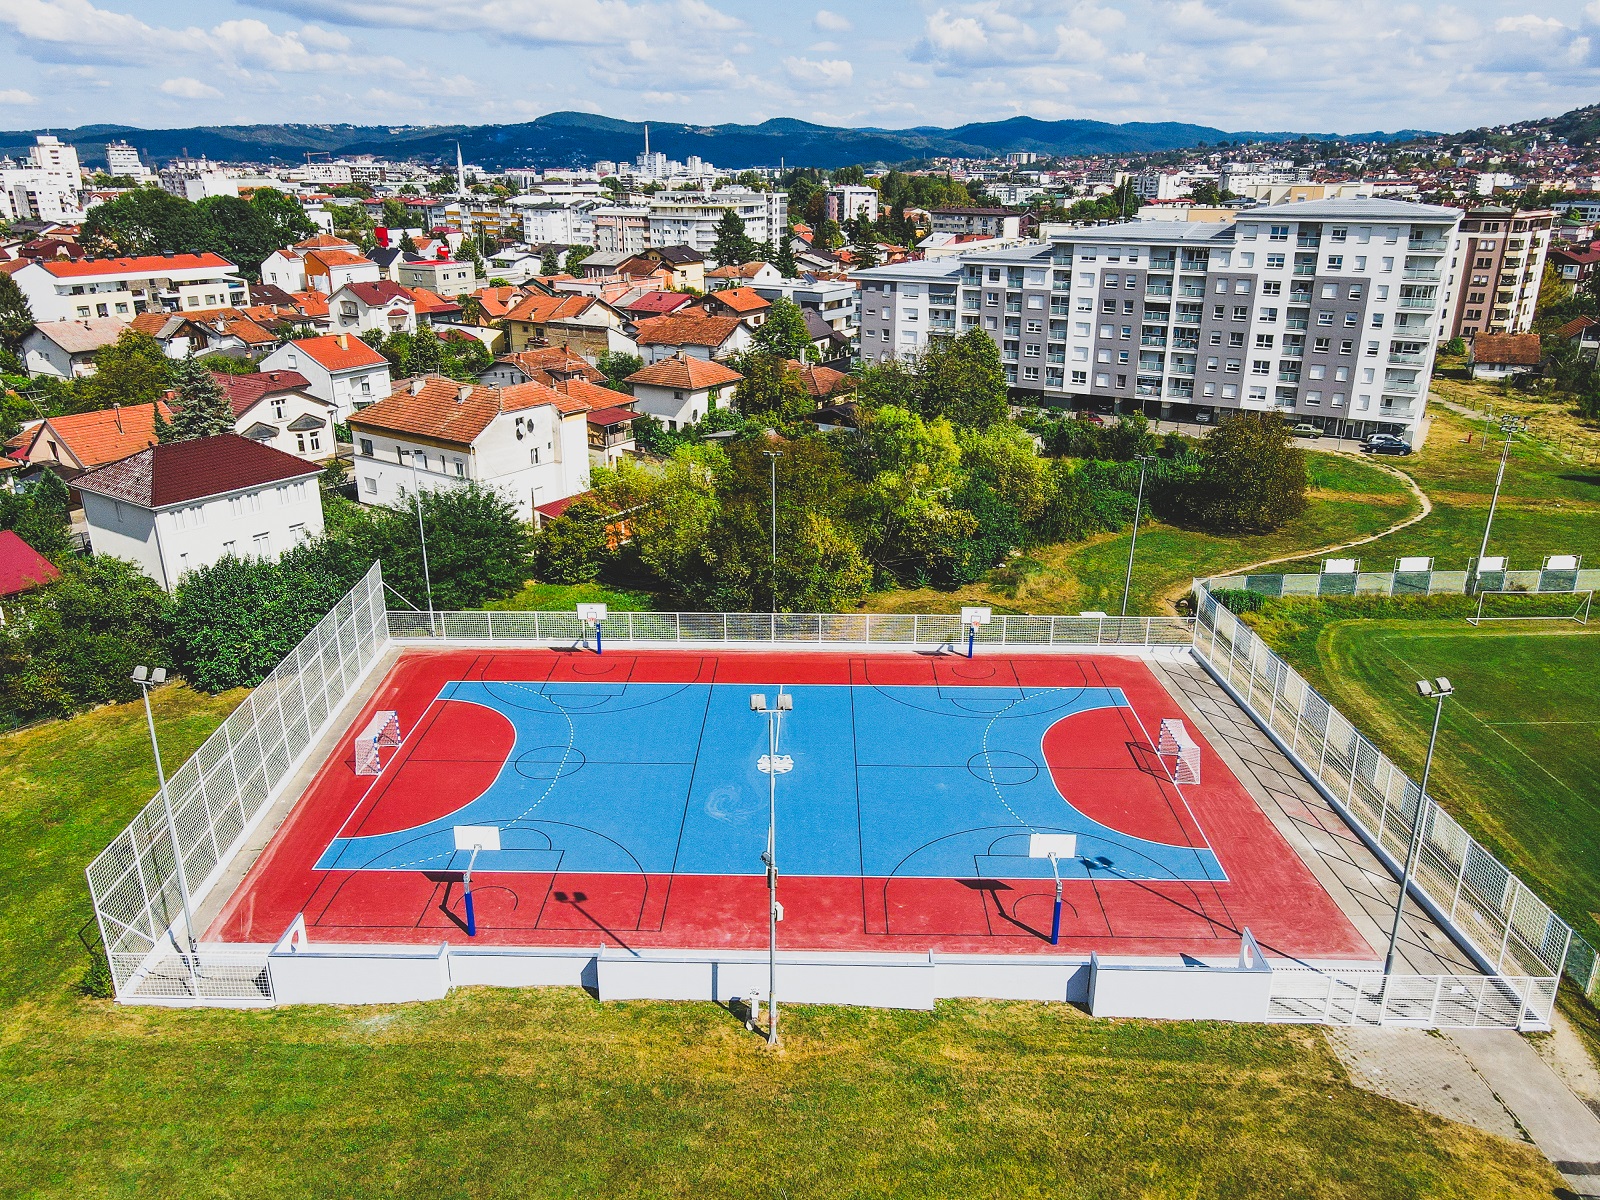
pixel 1093 613
pixel 1561 562
pixel 591 612
pixel 1062 845
pixel 1413 564
pixel 976 616
pixel 1492 562
pixel 477 837
pixel 1340 566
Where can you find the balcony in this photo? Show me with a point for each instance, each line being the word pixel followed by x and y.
pixel 1200 265
pixel 1192 343
pixel 1423 276
pixel 1013 306
pixel 1427 245
pixel 1297 323
pixel 1404 387
pixel 1061 285
pixel 1308 242
pixel 1158 342
pixel 1183 369
pixel 944 326
pixel 1061 260
pixel 1294 351
pixel 1148 390
pixel 1161 264
pixel 1413 360
pixel 1155 316
pixel 1183 388
pixel 1056 356
pixel 1188 319
pixel 1009 356
pixel 1427 302
pixel 1306 269
pixel 1190 289
pixel 1158 289
pixel 1288 376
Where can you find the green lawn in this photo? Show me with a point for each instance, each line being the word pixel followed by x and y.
pixel 1548 504
pixel 550 1093
pixel 1518 759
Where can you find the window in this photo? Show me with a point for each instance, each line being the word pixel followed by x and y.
pixel 1247 259
pixel 1313 397
pixel 1236 339
pixel 1338 233
pixel 1209 389
pixel 1035 326
pixel 1279 233
pixel 1108 306
pixel 1222 287
pixel 1324 318
pixel 1219 312
pixel 1108 331
pixel 1127 333
pixel 1080 354
pixel 1269 287
pixel 1351 320
pixel 1102 380
pixel 1367 374
pixel 1381 292
pixel 1317 372
pixel 1241 312
pixel 300 443
pixel 1330 291
pixel 1258 393
pixel 1274 262
pixel 1388 264
pixel 1335 262
pixel 1080 378
pixel 1377 320
pixel 1248 232
pixel 1230 391
pixel 1341 374
pixel 1103 355
pixel 1127 308
pixel 1212 364
pixel 991 299
pixel 1269 315
pixel 1261 366
pixel 1031 350
pixel 1216 338
pixel 1361 262
pixel 1233 366
pixel 1030 372
pixel 297 532
pixel 533 456
pixel 261 545
pixel 1338 400
pixel 1347 346
pixel 1112 279
pixel 1263 341
pixel 1321 345
pixel 909 314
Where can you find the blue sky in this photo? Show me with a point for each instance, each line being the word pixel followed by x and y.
pixel 1238 64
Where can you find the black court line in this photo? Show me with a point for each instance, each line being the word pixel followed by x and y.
pixel 694 773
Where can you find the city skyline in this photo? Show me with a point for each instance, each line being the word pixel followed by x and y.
pixel 1236 65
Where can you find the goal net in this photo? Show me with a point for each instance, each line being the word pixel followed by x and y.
pixel 1532 606
pixel 1175 742
pixel 383 730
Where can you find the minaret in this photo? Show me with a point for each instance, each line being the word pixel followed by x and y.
pixel 461 173
pixel 647 141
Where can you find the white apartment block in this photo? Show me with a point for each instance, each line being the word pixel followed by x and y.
pixel 122 160
pixel 1327 312
pixel 690 218
pixel 62 289
pixel 54 157
pixel 620 228
pixel 849 203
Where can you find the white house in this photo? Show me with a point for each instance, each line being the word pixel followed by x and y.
pixel 65 349
pixel 339 368
pixel 692 333
pixel 177 507
pixel 78 289
pixel 286 268
pixel 276 409
pixel 682 389
pixel 528 442
pixel 384 306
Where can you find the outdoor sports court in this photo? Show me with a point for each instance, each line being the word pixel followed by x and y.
pixel 631 812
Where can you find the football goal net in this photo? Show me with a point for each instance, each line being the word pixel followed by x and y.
pixel 383 730
pixel 1532 606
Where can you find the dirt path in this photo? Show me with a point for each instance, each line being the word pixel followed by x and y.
pixel 1422 499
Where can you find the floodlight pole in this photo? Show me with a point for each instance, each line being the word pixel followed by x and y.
pixel 1138 506
pixel 772 457
pixel 769 858
pixel 1505 452
pixel 141 678
pixel 427 579
pixel 1415 847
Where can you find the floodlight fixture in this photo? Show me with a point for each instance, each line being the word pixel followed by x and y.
pixel 758 702
pixel 785 702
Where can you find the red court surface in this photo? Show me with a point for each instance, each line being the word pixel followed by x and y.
pixel 1101 757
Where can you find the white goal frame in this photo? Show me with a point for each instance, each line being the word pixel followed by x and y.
pixel 382 730
pixel 1579 615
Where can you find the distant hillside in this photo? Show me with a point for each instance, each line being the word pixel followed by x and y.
pixel 572 138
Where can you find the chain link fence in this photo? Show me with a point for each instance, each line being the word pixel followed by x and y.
pixel 1511 930
pixel 216 797
pixel 856 629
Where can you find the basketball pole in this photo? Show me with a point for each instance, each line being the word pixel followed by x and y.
pixel 472 923
pixel 1055 921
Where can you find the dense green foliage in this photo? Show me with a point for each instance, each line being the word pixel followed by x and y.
pixel 40 514
pixel 458 355
pixel 132 370
pixel 1252 478
pixel 16 315
pixel 784 332
pixel 152 221
pixel 733 245
pixel 202 408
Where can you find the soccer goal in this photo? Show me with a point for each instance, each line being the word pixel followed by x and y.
pixel 1175 742
pixel 382 730
pixel 1532 606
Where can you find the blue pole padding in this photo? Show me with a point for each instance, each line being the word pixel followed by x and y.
pixel 971 634
pixel 472 924
pixel 598 648
pixel 1055 925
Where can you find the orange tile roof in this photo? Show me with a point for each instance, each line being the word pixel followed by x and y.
pixel 325 241
pixel 684 329
pixel 539 308
pixel 147 264
pixel 590 395
pixel 1509 349
pixel 819 381
pixel 684 371
pixel 311 304
pixel 105 435
pixel 431 302
pixel 337 258
pixel 497 301
pixel 339 352
pixel 742 300
pixel 538 364
pixel 446 410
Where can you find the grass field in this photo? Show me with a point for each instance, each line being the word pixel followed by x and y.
pixel 1518 759
pixel 1350 498
pixel 549 1093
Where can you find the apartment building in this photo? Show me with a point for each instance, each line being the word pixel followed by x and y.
pixel 76 290
pixel 621 228
pixel 1499 258
pixel 978 222
pixel 1328 312
pixel 690 218
pixel 849 202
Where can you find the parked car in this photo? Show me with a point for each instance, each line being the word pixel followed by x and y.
pixel 1093 418
pixel 1307 430
pixel 1386 443
pixel 1203 417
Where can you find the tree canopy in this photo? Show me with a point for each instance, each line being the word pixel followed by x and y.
pixel 202 408
pixel 150 220
pixel 733 245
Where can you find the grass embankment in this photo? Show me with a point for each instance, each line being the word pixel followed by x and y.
pixel 1518 758
pixel 549 1093
pixel 1549 504
pixel 1350 498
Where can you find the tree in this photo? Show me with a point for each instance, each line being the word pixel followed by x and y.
pixel 202 407
pixel 146 221
pixel 784 332
pixel 571 548
pixel 865 253
pixel 237 230
pixel 908 469
pixel 784 260
pixel 770 389
pixel 283 215
pixel 733 245
pixel 963 380
pixel 888 383
pixel 575 257
pixel 828 236
pixel 617 365
pixel 132 370
pixel 16 315
pixel 394 214
pixel 478 549
pixel 41 515
pixel 550 261
pixel 1252 479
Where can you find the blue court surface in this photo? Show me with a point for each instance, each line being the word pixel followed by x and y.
pixel 922 782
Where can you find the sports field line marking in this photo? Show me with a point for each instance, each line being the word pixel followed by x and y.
pixel 1493 723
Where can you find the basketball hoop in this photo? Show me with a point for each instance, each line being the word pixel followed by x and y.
pixel 592 615
pixel 973 619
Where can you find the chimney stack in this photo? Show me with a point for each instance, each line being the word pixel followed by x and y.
pixel 344 341
pixel 416 386
pixel 463 392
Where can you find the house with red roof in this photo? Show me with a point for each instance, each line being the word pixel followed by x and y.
pixel 364 307
pixel 547 366
pixel 527 441
pixel 338 367
pixel 586 324
pixel 743 302
pixel 681 389
pixel 691 332
pixel 329 270
pixel 277 409
pixel 73 443
pixel 174 508
pixel 22 568
pixel 655 304
pixel 78 289
pixel 286 268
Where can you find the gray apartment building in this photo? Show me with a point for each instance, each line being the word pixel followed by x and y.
pixel 1327 312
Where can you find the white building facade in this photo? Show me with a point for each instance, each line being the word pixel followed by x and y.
pixel 63 289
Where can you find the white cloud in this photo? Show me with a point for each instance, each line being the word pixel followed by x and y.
pixel 186 88
pixel 17 96
pixel 831 22
pixel 819 73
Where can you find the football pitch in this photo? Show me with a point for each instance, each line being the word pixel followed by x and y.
pixel 1518 759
